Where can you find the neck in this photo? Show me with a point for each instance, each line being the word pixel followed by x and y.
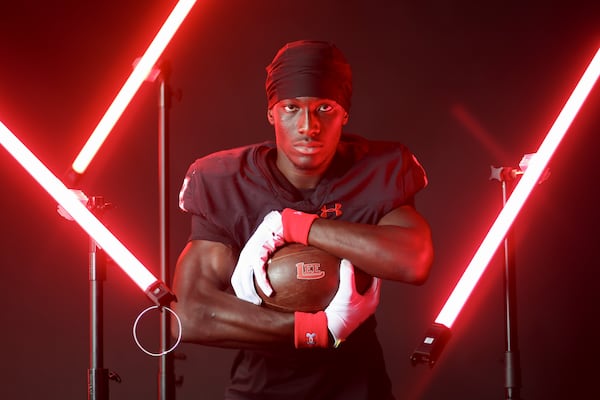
pixel 301 179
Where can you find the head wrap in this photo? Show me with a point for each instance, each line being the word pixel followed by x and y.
pixel 308 68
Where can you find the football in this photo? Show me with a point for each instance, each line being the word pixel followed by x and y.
pixel 305 278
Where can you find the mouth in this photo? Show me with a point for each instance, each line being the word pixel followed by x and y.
pixel 307 148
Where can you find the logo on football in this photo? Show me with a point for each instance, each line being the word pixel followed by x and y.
pixel 309 271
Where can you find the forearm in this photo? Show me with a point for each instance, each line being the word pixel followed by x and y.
pixel 210 314
pixel 216 318
pixel 399 248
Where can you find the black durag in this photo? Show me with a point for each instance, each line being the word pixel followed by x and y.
pixel 308 68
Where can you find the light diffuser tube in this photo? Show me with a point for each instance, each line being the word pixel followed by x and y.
pixel 131 86
pixel 71 203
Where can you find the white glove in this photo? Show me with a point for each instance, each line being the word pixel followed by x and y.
pixel 348 308
pixel 253 257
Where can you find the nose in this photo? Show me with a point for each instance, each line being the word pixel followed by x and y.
pixel 308 124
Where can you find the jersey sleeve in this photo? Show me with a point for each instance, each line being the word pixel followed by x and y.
pixel 195 200
pixel 411 177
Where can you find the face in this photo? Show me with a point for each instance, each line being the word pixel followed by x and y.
pixel 307 132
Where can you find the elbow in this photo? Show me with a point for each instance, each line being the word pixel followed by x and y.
pixel 180 324
pixel 175 322
pixel 421 266
pixel 419 279
pixel 423 260
pixel 187 322
pixel 176 328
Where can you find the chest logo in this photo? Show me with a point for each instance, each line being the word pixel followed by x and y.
pixel 334 211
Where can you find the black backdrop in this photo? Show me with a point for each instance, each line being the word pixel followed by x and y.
pixel 464 84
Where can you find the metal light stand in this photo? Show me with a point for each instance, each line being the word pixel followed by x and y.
pixel 512 370
pixel 98 376
pixel 166 368
pixel 438 335
pixel 159 293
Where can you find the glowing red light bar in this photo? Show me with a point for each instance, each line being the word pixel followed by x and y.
pixel 84 217
pixel 131 86
pixel 521 192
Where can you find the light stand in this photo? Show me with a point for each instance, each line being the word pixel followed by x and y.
pixel 438 334
pixel 98 376
pixel 158 292
pixel 166 368
pixel 512 370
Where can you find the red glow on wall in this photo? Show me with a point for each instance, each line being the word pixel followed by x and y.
pixel 141 71
pixel 535 170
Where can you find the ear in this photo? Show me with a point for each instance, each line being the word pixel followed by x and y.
pixel 270 116
pixel 345 120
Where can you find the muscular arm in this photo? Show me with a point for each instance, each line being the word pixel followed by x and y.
pixel 210 314
pixel 398 248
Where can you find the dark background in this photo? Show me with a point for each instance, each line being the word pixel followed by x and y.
pixel 465 84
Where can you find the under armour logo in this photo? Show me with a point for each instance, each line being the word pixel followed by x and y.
pixel 310 338
pixel 336 210
pixel 308 271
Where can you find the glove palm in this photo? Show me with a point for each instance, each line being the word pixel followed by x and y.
pixel 251 263
pixel 348 309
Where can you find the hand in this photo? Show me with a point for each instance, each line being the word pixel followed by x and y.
pixel 253 257
pixel 348 309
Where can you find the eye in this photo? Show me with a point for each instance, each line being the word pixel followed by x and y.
pixel 290 107
pixel 325 107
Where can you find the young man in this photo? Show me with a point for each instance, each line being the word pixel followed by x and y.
pixel 351 197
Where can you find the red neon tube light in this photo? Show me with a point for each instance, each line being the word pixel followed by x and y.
pixel 138 75
pixel 439 333
pixel 84 217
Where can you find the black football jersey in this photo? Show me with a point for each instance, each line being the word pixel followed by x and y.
pixel 229 192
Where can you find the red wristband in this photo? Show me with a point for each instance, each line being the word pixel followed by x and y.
pixel 310 330
pixel 296 225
